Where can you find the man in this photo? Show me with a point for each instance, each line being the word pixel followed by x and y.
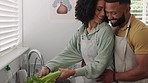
pixel 131 45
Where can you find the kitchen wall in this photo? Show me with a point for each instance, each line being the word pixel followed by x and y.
pixel 44 33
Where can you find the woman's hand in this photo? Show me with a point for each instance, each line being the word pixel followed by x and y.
pixel 66 73
pixel 44 71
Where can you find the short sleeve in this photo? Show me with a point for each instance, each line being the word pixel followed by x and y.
pixel 140 41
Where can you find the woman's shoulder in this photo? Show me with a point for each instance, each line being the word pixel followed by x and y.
pixel 105 26
pixel 81 29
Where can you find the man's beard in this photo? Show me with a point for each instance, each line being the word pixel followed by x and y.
pixel 119 22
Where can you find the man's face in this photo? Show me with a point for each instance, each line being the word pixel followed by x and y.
pixel 115 13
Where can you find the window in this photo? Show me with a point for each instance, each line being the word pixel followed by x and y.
pixel 140 9
pixel 10 25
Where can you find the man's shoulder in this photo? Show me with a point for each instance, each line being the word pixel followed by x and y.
pixel 136 26
pixel 137 30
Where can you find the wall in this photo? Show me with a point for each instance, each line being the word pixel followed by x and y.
pixel 42 33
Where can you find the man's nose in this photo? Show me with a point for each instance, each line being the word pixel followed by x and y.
pixel 110 16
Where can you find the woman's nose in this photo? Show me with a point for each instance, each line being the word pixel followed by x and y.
pixel 102 13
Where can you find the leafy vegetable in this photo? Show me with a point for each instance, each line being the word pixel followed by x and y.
pixel 50 78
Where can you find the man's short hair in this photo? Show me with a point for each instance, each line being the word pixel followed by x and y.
pixel 120 1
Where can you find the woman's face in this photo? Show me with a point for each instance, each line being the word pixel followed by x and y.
pixel 100 14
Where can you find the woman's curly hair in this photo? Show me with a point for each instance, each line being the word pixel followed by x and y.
pixel 85 10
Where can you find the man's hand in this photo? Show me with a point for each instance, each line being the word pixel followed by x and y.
pixel 44 71
pixel 66 73
pixel 107 76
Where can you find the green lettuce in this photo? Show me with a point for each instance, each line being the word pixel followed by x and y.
pixel 50 78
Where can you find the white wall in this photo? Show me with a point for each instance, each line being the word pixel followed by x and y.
pixel 42 33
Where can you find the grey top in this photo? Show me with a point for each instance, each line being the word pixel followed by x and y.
pixel 72 53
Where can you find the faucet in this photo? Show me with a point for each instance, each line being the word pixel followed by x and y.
pixel 29 56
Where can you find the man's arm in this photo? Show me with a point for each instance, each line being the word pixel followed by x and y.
pixel 137 73
pixel 134 74
pixel 140 44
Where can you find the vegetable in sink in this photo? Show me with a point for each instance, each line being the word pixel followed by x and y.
pixel 50 78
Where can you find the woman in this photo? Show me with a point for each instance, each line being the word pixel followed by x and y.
pixel 92 43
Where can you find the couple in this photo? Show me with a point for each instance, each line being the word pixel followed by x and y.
pixel 94 45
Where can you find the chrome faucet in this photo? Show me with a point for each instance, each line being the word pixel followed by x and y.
pixel 29 56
